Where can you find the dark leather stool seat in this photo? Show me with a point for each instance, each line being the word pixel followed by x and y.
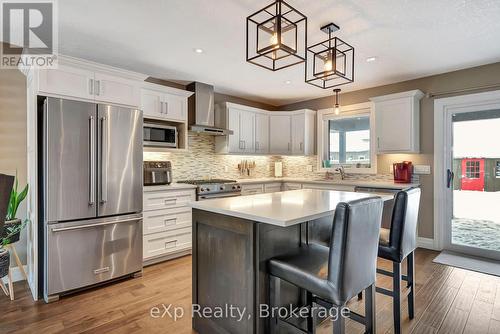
pixel 333 275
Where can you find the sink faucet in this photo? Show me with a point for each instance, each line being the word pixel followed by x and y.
pixel 341 170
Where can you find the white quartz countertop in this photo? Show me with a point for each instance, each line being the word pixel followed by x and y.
pixel 356 183
pixel 171 186
pixel 282 208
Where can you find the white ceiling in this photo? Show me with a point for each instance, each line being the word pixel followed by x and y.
pixel 410 38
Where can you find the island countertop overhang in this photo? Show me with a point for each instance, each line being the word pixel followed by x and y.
pixel 285 208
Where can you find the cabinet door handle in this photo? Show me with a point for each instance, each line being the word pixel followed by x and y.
pixel 301 146
pixel 288 146
pixel 91 86
pixel 241 145
pixel 256 145
pixel 244 144
pixel 378 142
pixel 161 107
pixel 166 108
pixel 98 87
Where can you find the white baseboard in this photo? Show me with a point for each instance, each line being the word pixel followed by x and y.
pixel 426 243
pixel 17 275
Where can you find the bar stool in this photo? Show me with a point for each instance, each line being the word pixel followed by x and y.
pixel 333 275
pixel 396 244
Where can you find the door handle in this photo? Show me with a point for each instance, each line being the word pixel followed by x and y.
pixel 91 161
pixel 98 87
pixel 80 227
pixel 449 178
pixel 104 164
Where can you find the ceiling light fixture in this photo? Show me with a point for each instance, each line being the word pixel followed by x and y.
pixel 371 59
pixel 276 36
pixel 330 63
pixel 336 108
pixel 198 50
pixel 288 82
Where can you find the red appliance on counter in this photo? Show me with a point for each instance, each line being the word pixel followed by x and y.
pixel 402 171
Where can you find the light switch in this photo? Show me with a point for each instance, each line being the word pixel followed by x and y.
pixel 422 169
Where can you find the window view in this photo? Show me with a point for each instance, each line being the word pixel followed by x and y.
pixel 349 141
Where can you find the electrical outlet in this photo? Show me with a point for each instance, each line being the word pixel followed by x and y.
pixel 422 169
pixel 309 168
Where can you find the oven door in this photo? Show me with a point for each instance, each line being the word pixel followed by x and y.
pixel 158 135
pixel 212 196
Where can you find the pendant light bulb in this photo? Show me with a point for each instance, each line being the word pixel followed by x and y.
pixel 336 108
pixel 328 65
pixel 274 39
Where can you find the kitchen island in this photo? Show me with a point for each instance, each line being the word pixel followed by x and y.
pixel 233 238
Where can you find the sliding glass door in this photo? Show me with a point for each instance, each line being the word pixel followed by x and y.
pixel 473 182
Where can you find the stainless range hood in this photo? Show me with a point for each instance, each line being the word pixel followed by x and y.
pixel 201 114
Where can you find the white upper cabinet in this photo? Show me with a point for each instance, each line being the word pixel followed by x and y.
pixel 303 132
pixel 67 81
pixel 164 103
pixel 113 89
pixel 79 79
pixel 280 136
pixel 258 131
pixel 397 122
pixel 239 119
pixel 261 133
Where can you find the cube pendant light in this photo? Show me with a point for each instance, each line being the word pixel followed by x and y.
pixel 330 63
pixel 276 36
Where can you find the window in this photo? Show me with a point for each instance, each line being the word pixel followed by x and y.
pixel 472 170
pixel 347 139
pixel 497 170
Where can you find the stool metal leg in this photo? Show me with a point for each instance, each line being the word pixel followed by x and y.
pixel 370 314
pixel 310 318
pixel 339 322
pixel 411 284
pixel 397 296
pixel 274 300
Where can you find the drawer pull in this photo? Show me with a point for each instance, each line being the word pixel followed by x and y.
pixel 101 270
pixel 171 221
pixel 170 244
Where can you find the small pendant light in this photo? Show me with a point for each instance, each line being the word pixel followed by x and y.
pixel 336 108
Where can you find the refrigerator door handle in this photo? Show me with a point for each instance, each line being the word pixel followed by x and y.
pixel 91 161
pixel 104 155
pixel 80 227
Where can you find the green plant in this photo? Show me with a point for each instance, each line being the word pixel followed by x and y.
pixel 10 232
pixel 15 199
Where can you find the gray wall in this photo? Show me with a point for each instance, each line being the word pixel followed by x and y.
pixel 13 136
pixel 472 77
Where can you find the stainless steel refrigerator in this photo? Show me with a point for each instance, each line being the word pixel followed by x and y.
pixel 92 184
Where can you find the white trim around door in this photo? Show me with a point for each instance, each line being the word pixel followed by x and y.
pixel 444 108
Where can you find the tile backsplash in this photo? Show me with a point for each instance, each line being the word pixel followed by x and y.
pixel 200 161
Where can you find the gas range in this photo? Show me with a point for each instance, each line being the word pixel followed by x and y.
pixel 214 188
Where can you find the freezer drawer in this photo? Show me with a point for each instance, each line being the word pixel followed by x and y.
pixel 83 253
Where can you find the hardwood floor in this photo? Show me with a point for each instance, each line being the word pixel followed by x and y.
pixel 448 300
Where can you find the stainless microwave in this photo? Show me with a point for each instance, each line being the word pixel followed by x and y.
pixel 160 135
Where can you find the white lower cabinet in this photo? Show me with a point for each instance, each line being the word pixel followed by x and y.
pixel 292 186
pixel 272 187
pixel 252 189
pixel 167 221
